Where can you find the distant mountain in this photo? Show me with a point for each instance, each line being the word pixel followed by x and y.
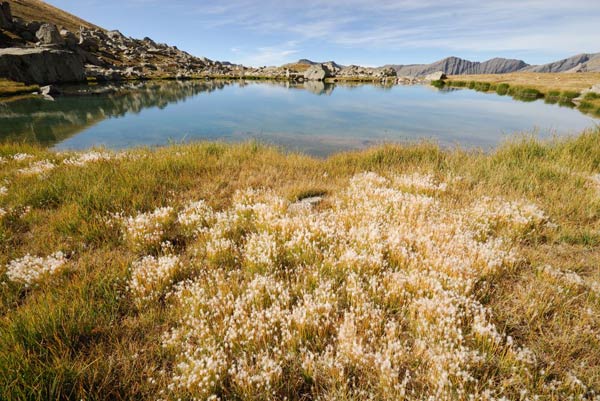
pixel 579 63
pixel 458 66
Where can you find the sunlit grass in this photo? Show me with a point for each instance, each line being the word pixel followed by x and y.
pixel 156 243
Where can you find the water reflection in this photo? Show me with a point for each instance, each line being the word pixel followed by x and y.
pixel 48 122
pixel 314 117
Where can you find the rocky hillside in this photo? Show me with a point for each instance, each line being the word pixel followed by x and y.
pixel 36 10
pixel 578 63
pixel 458 66
pixel 42 44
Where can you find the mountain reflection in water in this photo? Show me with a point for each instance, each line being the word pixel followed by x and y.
pixel 343 116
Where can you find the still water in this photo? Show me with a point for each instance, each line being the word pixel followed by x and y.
pixel 314 118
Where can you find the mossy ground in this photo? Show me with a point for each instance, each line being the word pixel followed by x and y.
pixel 78 337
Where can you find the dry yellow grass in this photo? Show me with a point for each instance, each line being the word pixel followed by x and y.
pixel 93 329
pixel 36 10
pixel 544 82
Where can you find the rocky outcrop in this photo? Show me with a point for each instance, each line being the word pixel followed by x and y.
pixel 317 72
pixel 48 35
pixel 41 66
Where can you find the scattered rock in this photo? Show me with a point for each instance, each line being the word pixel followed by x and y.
pixel 48 35
pixel 70 39
pixel 317 72
pixel 41 66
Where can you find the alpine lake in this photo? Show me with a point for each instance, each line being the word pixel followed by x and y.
pixel 313 118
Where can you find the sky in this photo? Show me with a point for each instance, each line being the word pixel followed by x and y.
pixel 363 32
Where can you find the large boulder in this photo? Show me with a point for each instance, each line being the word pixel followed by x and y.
pixel 6 20
pixel 435 76
pixel 317 72
pixel 48 35
pixel 41 66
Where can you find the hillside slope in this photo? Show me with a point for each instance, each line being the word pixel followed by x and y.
pixel 36 10
pixel 586 62
pixel 458 66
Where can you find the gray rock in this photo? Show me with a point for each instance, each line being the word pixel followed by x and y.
pixel 6 19
pixel 115 35
pixel 317 72
pixel 41 66
pixel 49 90
pixel 70 39
pixel 435 76
pixel 48 35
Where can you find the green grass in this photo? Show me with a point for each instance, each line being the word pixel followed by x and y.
pixel 10 88
pixel 79 336
pixel 590 103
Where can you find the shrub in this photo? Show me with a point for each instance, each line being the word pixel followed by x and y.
pixel 502 89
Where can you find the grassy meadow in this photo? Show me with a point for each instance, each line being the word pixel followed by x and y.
pixel 197 271
pixel 559 88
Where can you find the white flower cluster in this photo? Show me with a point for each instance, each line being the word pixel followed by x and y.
pixel 568 278
pixel 3 191
pixel 418 181
pixel 31 269
pixel 3 212
pixel 150 277
pixel 37 168
pixel 518 218
pixel 19 157
pixel 147 229
pixel 195 217
pixel 82 159
pixel 374 297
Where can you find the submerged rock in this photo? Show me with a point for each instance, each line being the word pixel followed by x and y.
pixel 41 66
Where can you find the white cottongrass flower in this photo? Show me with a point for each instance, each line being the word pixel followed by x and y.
pixel 37 168
pixel 374 295
pixel 3 191
pixel 30 270
pixel 195 217
pixel 147 229
pixel 83 159
pixel 568 278
pixel 419 182
pixel 19 157
pixel 151 276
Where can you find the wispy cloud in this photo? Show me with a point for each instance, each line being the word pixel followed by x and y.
pixel 272 31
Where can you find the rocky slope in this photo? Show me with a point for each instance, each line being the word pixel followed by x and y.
pixel 458 66
pixel 36 28
pixel 578 63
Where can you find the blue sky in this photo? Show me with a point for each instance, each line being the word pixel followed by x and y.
pixel 365 32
